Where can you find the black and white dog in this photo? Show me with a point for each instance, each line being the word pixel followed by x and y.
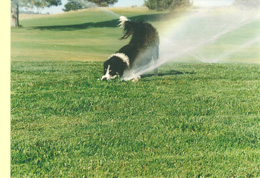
pixel 142 49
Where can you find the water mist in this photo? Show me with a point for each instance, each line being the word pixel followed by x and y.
pixel 199 36
pixel 94 5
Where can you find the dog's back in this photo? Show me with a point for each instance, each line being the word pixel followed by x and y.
pixel 144 37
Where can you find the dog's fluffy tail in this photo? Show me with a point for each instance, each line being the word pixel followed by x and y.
pixel 122 20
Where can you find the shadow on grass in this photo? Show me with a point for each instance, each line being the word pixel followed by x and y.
pixel 110 23
pixel 171 72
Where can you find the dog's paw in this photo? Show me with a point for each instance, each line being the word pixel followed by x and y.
pixel 136 79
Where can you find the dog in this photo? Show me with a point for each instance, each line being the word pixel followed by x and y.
pixel 142 49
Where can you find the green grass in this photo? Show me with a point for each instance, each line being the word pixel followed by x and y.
pixel 193 120
pixel 88 35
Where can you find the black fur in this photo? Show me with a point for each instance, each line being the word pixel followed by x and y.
pixel 144 46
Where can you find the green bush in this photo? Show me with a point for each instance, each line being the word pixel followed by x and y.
pixel 166 4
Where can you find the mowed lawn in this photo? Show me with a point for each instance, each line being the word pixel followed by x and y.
pixel 193 120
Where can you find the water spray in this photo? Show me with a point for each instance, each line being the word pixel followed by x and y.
pixel 239 48
pixel 196 31
pixel 94 5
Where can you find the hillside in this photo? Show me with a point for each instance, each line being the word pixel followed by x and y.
pixel 87 35
pixel 93 34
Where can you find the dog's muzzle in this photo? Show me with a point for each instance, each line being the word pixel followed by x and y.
pixel 109 77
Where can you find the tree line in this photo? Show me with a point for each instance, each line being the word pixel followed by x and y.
pixel 151 4
pixel 70 5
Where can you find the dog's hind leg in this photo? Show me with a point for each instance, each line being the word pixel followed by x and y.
pixel 156 69
pixel 155 60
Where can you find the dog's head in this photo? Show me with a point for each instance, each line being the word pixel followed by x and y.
pixel 115 66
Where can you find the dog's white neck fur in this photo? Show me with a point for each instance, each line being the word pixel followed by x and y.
pixel 122 20
pixel 123 57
